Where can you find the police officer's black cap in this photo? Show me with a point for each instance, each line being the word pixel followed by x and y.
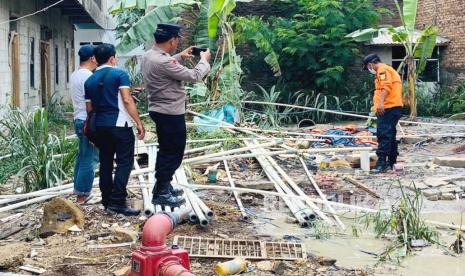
pixel 371 58
pixel 168 30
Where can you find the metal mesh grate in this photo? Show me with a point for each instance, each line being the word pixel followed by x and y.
pixel 248 249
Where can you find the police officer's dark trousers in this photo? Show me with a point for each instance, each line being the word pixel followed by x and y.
pixel 386 133
pixel 171 133
pixel 111 141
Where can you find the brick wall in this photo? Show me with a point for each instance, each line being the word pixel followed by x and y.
pixel 449 16
pixel 393 19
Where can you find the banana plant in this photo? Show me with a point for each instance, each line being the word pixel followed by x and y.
pixel 417 47
pixel 164 11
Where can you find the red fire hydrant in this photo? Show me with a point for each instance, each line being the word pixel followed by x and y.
pixel 154 257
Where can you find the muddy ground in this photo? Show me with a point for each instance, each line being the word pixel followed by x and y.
pixel 68 254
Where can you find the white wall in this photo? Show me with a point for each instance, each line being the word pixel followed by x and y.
pixel 29 27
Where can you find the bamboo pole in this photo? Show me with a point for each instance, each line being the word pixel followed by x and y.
pixel 321 194
pixel 210 156
pixel 245 155
pixel 200 149
pixel 348 114
pixel 315 136
pixel 236 195
pixel 30 201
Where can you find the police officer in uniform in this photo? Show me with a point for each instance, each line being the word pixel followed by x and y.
pixel 164 76
pixel 388 105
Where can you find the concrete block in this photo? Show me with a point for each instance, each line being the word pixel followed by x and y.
pixel 431 192
pixel 433 198
pixel 450 189
pixel 448 196
pixel 435 182
pixel 455 162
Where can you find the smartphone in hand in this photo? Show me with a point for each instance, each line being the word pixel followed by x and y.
pixel 196 51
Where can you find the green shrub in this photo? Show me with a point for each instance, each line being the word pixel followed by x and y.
pixel 45 159
pixel 308 47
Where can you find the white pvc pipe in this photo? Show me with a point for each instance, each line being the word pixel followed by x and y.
pixel 228 152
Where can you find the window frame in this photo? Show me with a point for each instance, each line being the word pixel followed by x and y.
pixel 416 61
pixel 32 70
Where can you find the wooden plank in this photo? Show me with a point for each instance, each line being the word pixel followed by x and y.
pixel 362 186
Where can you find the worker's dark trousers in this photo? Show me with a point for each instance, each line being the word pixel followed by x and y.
pixel 386 133
pixel 111 141
pixel 171 133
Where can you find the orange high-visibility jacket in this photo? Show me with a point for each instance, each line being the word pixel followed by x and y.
pixel 387 78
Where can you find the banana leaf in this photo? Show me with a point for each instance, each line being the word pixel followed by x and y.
pixel 364 35
pixel 409 11
pixel 142 4
pixel 201 38
pixel 218 9
pixel 425 46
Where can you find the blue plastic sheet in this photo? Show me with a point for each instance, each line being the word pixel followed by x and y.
pixel 228 114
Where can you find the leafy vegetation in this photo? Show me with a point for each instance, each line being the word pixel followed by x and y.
pixel 45 158
pixel 404 222
pixel 446 102
pixel 309 48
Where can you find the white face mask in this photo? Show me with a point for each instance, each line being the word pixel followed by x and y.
pixel 372 71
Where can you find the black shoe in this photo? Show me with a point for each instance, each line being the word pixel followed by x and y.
pixel 168 200
pixel 123 209
pixel 177 192
pixel 381 166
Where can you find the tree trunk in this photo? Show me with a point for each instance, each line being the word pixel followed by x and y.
pixel 411 80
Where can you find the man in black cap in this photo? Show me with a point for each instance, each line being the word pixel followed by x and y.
pixel 163 75
pixel 87 156
pixel 388 105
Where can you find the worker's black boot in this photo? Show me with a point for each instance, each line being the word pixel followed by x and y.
pixel 391 161
pixel 381 166
pixel 168 200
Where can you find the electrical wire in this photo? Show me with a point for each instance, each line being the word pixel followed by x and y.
pixel 31 14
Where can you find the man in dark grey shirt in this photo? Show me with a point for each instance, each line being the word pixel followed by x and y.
pixel 163 76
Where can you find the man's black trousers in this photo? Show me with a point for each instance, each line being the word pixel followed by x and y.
pixel 172 134
pixel 111 141
pixel 386 133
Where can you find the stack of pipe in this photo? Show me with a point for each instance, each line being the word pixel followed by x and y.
pixel 201 213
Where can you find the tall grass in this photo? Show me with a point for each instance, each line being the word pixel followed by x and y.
pixel 273 116
pixel 45 158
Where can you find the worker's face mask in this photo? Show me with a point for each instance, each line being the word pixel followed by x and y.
pixel 370 68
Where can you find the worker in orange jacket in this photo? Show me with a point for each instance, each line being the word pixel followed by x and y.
pixel 388 105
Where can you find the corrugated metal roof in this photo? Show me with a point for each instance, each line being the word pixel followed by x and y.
pixel 384 38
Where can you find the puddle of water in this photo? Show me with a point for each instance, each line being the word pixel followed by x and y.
pixel 351 252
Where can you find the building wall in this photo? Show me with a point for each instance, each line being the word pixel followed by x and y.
pixel 387 19
pixel 448 15
pixel 27 28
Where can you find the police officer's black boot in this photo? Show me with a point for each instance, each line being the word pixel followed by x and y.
pixel 176 191
pixel 381 165
pixel 164 195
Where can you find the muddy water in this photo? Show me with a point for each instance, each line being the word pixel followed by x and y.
pixel 357 252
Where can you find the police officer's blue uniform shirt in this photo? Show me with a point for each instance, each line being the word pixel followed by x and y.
pixel 111 110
